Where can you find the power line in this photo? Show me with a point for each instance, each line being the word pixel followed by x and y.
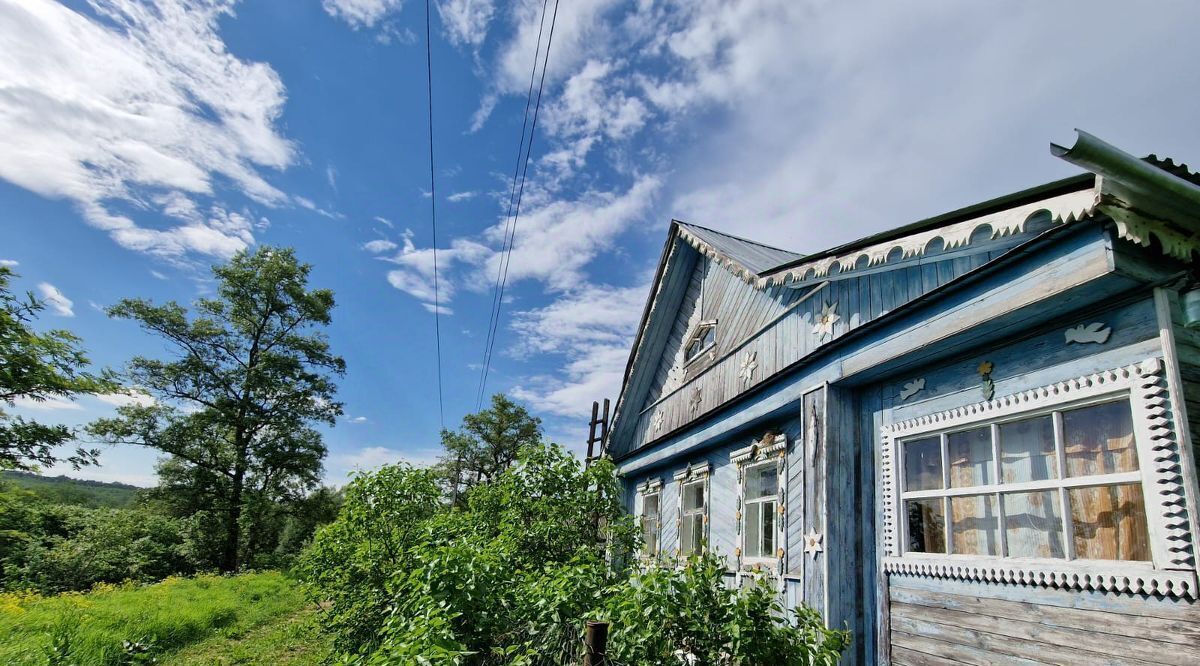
pixel 437 323
pixel 520 193
pixel 508 216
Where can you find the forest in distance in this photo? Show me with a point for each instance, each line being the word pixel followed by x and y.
pixel 497 554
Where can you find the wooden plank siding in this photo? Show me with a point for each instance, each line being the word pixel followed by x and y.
pixel 773 325
pixel 969 623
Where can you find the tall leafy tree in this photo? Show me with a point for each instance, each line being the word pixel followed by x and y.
pixel 250 375
pixel 487 444
pixel 39 366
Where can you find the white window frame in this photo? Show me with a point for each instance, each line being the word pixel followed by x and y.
pixel 1144 385
pixel 696 335
pixel 771 449
pixel 690 475
pixel 645 490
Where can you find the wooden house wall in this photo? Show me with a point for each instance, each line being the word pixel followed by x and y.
pixel 926 620
pixel 776 326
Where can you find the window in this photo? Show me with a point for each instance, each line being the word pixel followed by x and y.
pixel 700 341
pixel 760 506
pixel 1062 484
pixel 651 520
pixel 693 517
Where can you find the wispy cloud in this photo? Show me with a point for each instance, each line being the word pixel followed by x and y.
pixel 461 196
pixel 341 465
pixel 361 13
pixel 466 21
pixel 122 399
pixel 10 263
pixel 170 112
pixel 48 405
pixel 378 246
pixel 59 304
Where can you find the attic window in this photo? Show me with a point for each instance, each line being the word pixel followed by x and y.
pixel 704 338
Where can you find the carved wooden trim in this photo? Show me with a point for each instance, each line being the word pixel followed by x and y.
pixel 1163 487
pixel 1099 577
pixel 760 450
pixel 1063 209
pixel 693 472
pixel 648 486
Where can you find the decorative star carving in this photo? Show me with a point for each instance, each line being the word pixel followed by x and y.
pixel 658 421
pixel 749 365
pixel 694 401
pixel 812 542
pixel 824 324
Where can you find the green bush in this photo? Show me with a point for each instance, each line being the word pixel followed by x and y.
pixel 59 548
pixel 512 577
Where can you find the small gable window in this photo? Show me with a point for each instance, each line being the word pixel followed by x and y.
pixel 704 337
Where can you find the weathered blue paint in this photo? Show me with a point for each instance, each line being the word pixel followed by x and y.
pixel 933 316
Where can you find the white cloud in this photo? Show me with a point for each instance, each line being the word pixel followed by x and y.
pixel 10 263
pixel 592 328
pixel 54 298
pixel 331 177
pixel 373 457
pixel 157 275
pixel 356 419
pixel 385 222
pixel 143 105
pixel 47 405
pixel 466 21
pixel 415 272
pixel 361 13
pixel 462 196
pixel 381 245
pixel 132 398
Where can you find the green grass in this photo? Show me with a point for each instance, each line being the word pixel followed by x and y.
pixel 292 640
pixel 169 616
pixel 65 490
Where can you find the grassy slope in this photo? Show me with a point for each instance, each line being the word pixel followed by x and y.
pixel 291 640
pixel 65 490
pixel 264 608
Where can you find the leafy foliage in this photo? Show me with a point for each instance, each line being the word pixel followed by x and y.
pixel 251 374
pixel 699 619
pixel 39 367
pixel 511 576
pixel 82 492
pixel 487 444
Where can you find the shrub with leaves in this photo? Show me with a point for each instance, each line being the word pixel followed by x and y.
pixel 512 574
pixel 689 615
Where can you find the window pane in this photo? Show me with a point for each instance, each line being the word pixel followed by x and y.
pixel 650 535
pixel 693 496
pixel 1027 450
pixel 1110 523
pixel 762 481
pixel 926 526
pixel 970 455
pixel 923 464
pixel 975 525
pixel 1033 523
pixel 753 527
pixel 1099 439
pixel 691 534
pixel 768 529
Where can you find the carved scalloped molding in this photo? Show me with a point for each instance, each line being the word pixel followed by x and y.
pixel 693 472
pixel 759 451
pixel 1099 578
pixel 1154 431
pixel 649 486
pixel 1063 209
pixel 1138 229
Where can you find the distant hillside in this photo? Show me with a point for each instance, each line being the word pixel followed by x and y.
pixel 65 490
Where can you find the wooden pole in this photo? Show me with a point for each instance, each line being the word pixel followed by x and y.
pixel 596 643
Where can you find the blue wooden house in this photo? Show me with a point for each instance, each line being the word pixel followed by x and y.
pixel 966 439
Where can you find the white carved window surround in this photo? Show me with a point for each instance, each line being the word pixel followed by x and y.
pixel 693 509
pixel 649 512
pixel 1075 485
pixel 762 491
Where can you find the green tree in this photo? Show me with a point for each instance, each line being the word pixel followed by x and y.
pixel 487 444
pixel 251 374
pixel 39 366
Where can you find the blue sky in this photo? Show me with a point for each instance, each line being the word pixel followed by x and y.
pixel 141 141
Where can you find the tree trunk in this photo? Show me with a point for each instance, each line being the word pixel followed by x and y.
pixel 233 533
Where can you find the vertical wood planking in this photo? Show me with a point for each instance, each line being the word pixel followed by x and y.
pixel 815 465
